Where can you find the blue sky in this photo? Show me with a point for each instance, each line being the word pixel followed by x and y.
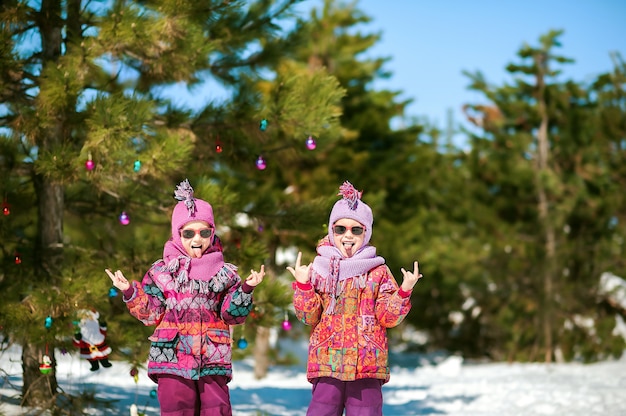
pixel 431 42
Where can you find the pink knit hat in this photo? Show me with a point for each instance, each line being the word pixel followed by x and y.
pixel 351 206
pixel 189 209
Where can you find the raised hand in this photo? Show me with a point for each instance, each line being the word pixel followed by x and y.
pixel 300 272
pixel 118 279
pixel 256 277
pixel 410 279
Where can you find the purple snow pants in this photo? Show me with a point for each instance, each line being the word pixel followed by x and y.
pixel 208 396
pixel 362 397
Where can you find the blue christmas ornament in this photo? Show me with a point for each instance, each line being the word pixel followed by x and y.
pixel 48 323
pixel 112 292
pixel 263 125
pixel 242 343
pixel 137 165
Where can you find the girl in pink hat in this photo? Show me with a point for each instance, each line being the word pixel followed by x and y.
pixel 349 297
pixel 192 297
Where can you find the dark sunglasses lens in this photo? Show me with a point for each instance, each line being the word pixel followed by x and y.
pixel 357 230
pixel 339 229
pixel 206 233
pixel 188 233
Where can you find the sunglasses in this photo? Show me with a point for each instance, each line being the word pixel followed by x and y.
pixel 340 229
pixel 204 233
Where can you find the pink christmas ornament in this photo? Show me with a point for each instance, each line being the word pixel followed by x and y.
pixel 286 325
pixel 124 218
pixel 260 163
pixel 310 143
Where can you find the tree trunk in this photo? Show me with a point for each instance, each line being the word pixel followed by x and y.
pixel 261 352
pixel 547 227
pixel 38 389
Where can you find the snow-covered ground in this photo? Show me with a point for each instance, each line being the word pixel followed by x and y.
pixel 419 386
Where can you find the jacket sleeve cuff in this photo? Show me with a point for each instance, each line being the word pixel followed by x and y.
pixel 128 293
pixel 247 288
pixel 404 294
pixel 302 286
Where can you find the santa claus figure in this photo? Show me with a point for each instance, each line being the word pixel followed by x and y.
pixel 90 337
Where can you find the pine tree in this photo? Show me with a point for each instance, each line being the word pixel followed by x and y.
pixel 89 135
pixel 541 171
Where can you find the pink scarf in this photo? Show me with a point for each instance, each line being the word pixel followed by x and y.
pixel 331 270
pixel 203 269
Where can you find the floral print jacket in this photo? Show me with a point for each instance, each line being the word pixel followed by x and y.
pixel 192 338
pixel 351 343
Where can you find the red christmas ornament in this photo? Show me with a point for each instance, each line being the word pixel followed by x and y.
pixel 5 208
pixel 18 258
pixel 134 373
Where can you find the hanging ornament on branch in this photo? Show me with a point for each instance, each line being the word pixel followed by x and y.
pixel 124 218
pixel 310 143
pixel 90 338
pixel 286 323
pixel 90 164
pixel 242 343
pixel 6 207
pixel 260 163
pixel 134 373
pixel 46 363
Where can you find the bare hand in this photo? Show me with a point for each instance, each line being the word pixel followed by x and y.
pixel 300 272
pixel 410 279
pixel 256 277
pixel 118 279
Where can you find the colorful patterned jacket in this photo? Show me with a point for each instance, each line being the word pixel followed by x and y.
pixel 351 344
pixel 192 338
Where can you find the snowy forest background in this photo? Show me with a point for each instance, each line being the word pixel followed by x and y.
pixel 513 232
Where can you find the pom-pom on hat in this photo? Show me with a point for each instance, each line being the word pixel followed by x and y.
pixel 351 206
pixel 189 209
